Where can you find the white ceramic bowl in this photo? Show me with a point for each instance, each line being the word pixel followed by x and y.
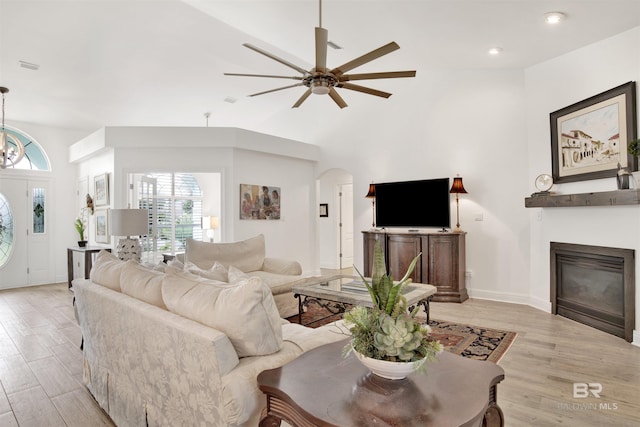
pixel 385 369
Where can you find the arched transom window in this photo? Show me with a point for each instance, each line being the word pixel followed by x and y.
pixel 34 156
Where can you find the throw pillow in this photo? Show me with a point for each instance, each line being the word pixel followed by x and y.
pixel 196 277
pixel 246 313
pixel 106 270
pixel 176 263
pixel 216 272
pixel 235 274
pixel 142 283
pixel 248 255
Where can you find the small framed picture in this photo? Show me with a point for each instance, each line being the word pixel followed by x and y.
pixel 101 188
pixel 102 225
pixel 324 210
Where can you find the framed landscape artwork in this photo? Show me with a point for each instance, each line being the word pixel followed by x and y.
pixel 589 139
pixel 101 188
pixel 259 202
pixel 102 226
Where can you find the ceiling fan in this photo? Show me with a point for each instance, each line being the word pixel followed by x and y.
pixel 322 80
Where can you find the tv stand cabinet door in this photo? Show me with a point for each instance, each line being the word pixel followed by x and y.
pixel 401 250
pixel 369 240
pixel 446 265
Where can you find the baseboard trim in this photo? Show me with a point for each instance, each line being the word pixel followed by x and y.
pixel 511 298
pixel 636 338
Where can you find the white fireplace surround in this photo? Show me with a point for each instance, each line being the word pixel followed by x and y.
pixel 609 226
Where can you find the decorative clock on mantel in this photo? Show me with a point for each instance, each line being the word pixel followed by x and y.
pixel 543 183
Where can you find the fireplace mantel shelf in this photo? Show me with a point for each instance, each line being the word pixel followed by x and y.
pixel 603 198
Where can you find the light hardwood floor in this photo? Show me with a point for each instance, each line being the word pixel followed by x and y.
pixel 41 364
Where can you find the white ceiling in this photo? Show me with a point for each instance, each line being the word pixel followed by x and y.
pixel 161 62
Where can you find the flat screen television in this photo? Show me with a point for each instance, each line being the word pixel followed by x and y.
pixel 423 203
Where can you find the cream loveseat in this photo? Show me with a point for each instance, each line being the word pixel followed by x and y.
pixel 175 349
pixel 217 260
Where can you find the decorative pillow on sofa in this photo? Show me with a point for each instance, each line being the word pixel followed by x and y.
pixel 235 275
pixel 188 275
pixel 248 255
pixel 217 272
pixel 246 312
pixel 141 283
pixel 106 270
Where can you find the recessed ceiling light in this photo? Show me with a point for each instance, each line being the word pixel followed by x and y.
pixel 230 100
pixel 495 51
pixel 554 17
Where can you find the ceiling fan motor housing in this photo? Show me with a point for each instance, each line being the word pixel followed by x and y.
pixel 320 84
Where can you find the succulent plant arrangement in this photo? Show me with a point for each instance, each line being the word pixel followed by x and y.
pixel 388 330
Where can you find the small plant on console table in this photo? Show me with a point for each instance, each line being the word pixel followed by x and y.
pixel 388 331
pixel 81 226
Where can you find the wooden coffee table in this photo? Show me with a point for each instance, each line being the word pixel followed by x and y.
pixel 337 293
pixel 321 388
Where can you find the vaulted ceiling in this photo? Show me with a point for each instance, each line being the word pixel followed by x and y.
pixel 161 62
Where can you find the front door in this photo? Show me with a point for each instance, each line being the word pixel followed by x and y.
pixel 14 269
pixel 26 257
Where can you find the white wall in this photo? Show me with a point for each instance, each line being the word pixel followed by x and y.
pixel 211 186
pixel 240 157
pixel 293 235
pixel 553 85
pixel 469 122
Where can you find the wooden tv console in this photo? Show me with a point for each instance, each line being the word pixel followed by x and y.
pixel 442 263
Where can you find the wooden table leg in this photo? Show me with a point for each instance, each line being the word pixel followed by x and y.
pixel 88 263
pixel 268 420
pixel 70 266
pixel 493 416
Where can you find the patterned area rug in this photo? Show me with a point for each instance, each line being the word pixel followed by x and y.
pixel 474 342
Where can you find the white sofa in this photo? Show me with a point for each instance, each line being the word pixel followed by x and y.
pixel 152 356
pixel 248 256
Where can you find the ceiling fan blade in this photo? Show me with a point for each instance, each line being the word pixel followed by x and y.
pixel 275 90
pixel 264 75
pixel 367 57
pixel 363 89
pixel 275 58
pixel 337 98
pixel 370 76
pixel 302 98
pixel 322 37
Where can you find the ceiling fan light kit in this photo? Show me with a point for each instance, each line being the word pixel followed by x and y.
pixel 321 80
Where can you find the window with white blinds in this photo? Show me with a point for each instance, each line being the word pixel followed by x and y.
pixel 174 201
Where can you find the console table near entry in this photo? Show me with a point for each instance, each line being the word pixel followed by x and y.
pixel 88 252
pixel 322 388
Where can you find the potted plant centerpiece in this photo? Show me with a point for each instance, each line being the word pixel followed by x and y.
pixel 387 338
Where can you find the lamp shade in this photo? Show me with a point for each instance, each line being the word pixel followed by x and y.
pixel 210 222
pixel 129 222
pixel 457 186
pixel 372 191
